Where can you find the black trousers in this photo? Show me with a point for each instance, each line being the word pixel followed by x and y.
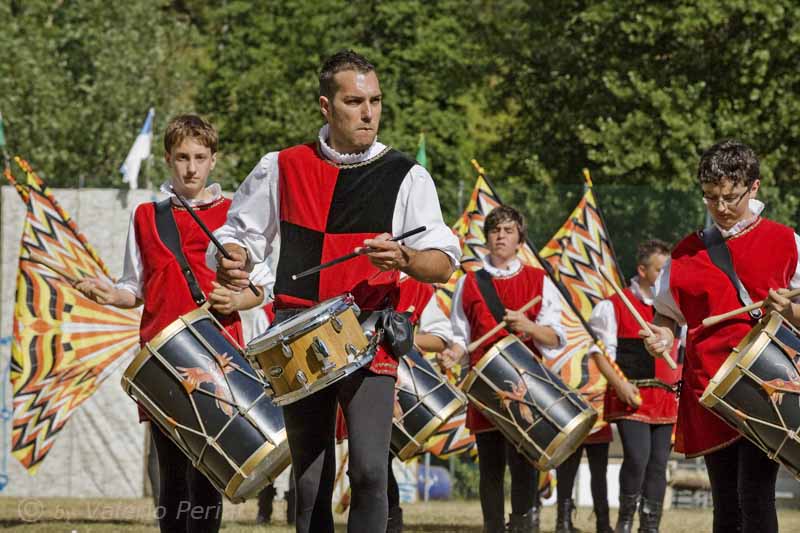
pixel 367 400
pixel 743 488
pixel 187 500
pixel 598 465
pixel 644 465
pixel 494 453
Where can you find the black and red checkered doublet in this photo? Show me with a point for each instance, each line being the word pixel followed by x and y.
pixel 326 211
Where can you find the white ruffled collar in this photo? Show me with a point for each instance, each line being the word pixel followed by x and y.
pixel 637 291
pixel 214 190
pixel 347 159
pixel 513 267
pixel 756 207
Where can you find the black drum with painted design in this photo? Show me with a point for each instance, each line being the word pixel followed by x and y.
pixel 194 382
pixel 531 406
pixel 424 401
pixel 757 390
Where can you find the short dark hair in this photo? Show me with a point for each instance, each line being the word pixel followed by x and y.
pixel 729 159
pixel 190 126
pixel 341 60
pixel 649 248
pixel 502 214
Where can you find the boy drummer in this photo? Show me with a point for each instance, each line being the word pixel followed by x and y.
pixel 515 284
pixel 152 276
pixel 691 287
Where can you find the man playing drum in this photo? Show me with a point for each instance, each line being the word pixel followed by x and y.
pixel 324 199
pixel 515 284
pixel 152 276
pixel 691 287
pixel 646 429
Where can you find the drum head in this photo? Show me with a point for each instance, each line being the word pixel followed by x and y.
pixel 301 323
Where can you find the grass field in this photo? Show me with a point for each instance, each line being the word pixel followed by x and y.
pixel 136 516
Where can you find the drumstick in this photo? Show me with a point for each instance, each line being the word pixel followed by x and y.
pixel 205 229
pixel 667 357
pixel 351 255
pixel 716 319
pixel 473 345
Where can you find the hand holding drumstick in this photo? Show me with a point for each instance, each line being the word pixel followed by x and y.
pixel 657 340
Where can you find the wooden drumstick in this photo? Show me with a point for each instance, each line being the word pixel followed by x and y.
pixel 716 319
pixel 644 325
pixel 473 345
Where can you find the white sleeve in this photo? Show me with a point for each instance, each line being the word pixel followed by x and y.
pixel 418 205
pixel 604 324
pixel 664 303
pixel 254 322
pixel 433 321
pixel 794 283
pixel 458 319
pixel 262 276
pixel 550 316
pixel 253 217
pixel 132 268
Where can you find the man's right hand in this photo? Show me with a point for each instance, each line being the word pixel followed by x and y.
pixel 450 357
pixel 660 342
pixel 233 273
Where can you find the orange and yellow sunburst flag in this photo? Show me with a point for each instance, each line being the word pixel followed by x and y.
pixel 64 344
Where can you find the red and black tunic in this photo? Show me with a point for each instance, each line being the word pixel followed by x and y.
pixel 765 257
pixel 326 211
pixel 514 291
pixel 655 379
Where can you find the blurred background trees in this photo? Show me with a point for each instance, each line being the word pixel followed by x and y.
pixel 536 91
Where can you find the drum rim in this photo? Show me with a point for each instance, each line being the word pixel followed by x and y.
pixel 254 461
pixel 285 331
pixel 563 435
pixel 490 354
pixel 748 349
pixel 163 336
pixel 410 450
pixel 324 382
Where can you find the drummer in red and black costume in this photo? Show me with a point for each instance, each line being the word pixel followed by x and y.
pixel 324 199
pixel 646 430
pixel 152 277
pixel 541 330
pixel 691 288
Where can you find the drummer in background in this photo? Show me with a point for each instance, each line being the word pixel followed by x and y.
pixel 646 430
pixel 340 192
pixel 152 276
pixel 540 329
pixel 434 333
pixel 690 288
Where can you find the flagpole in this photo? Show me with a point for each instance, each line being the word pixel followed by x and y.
pixel 589 185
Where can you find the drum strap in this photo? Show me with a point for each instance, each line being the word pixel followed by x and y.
pixel 168 233
pixel 720 255
pixel 489 293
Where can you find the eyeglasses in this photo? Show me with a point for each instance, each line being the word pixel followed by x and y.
pixel 726 201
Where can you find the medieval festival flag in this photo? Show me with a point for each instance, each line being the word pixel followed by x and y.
pixel 64 344
pixel 576 368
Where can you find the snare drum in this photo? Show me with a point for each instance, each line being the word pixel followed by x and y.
pixel 530 405
pixel 425 400
pixel 311 350
pixel 193 382
pixel 757 390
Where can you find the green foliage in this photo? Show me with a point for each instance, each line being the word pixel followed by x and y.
pixel 466 478
pixel 79 78
pixel 536 91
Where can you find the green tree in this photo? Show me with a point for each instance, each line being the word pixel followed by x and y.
pixel 79 77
